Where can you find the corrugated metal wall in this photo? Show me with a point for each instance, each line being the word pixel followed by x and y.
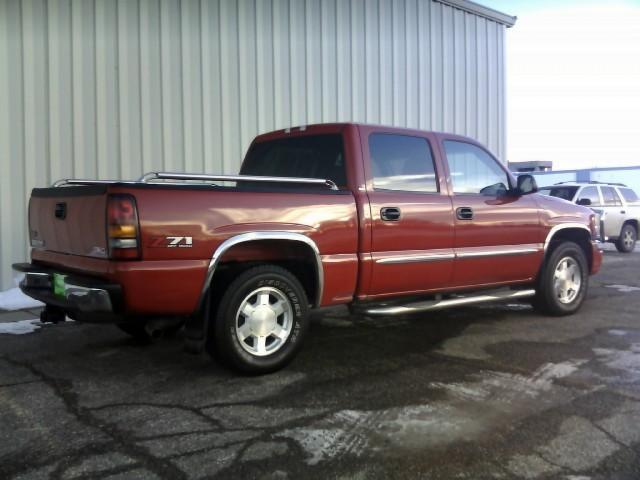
pixel 110 89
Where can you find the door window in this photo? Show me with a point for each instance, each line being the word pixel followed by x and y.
pixel 590 193
pixel 402 162
pixel 473 170
pixel 610 196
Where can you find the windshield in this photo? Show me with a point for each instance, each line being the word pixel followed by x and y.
pixel 566 193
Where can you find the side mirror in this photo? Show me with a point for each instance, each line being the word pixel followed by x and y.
pixel 527 184
pixel 584 201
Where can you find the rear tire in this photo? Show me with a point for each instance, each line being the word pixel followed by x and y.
pixel 563 281
pixel 261 321
pixel 627 240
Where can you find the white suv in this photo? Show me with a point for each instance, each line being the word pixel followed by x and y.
pixel 617 205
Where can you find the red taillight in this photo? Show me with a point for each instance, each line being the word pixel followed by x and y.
pixel 122 227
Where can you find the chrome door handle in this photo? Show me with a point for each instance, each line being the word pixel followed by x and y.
pixel 390 214
pixel 464 213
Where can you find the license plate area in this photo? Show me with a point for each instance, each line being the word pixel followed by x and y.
pixel 58 284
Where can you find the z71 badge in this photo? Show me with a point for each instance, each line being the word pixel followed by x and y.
pixel 172 242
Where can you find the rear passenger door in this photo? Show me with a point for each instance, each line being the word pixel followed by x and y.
pixel 497 234
pixel 412 220
pixel 614 212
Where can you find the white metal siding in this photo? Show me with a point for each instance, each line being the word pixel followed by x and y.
pixel 110 89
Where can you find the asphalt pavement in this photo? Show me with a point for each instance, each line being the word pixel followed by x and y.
pixel 492 391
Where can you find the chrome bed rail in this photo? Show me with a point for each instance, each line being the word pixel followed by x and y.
pixel 184 178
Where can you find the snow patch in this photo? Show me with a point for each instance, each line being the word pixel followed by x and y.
pixel 20 328
pixel 617 333
pixel 14 299
pixel 624 288
pixel 626 360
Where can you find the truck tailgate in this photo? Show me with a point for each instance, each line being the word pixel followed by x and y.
pixel 69 220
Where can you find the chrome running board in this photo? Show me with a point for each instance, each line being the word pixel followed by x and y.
pixel 450 302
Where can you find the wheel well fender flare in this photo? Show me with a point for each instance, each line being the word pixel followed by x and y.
pixel 262 236
pixel 563 226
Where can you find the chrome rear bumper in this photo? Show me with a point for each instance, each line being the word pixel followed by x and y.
pixel 75 293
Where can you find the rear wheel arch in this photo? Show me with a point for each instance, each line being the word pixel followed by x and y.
pixel 298 254
pixel 633 223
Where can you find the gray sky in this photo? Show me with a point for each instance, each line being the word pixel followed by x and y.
pixel 573 82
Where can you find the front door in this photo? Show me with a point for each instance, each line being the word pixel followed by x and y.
pixel 412 220
pixel 497 233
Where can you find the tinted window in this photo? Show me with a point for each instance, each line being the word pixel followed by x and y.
pixel 629 195
pixel 590 193
pixel 312 156
pixel 401 162
pixel 474 171
pixel 610 197
pixel 566 193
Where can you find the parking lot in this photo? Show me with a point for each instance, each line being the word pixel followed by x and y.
pixel 492 391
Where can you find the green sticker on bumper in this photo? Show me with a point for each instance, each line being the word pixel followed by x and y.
pixel 58 284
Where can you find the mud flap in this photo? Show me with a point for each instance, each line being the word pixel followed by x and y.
pixel 196 329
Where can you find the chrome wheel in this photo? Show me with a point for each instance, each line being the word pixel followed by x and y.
pixel 567 280
pixel 264 321
pixel 629 239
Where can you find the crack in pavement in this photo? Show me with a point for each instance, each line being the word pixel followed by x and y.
pixel 195 410
pixel 64 391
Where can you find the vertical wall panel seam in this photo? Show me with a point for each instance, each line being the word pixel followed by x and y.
pixel 454 72
pixel 477 82
pixel 50 111
pixel 393 62
pixel 221 89
pixel 273 61
pixel 74 154
pixel 365 83
pixel 238 62
pixel 290 57
pixel 23 102
pixel 141 119
pixel 255 64
pixel 183 96
pixel 306 60
pixel 161 80
pixel 95 96
pixel 418 66
pixel 338 54
pixel 354 98
pixel 488 92
pixel 321 56
pixel 118 93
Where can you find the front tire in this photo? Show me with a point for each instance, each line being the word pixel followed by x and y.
pixel 627 240
pixel 261 321
pixel 563 281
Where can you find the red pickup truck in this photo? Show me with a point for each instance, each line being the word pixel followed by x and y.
pixel 389 221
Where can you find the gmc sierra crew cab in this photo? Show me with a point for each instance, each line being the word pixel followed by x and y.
pixel 388 221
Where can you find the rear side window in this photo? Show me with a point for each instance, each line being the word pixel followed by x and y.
pixel 610 197
pixel 590 193
pixel 312 156
pixel 474 171
pixel 402 162
pixel 629 195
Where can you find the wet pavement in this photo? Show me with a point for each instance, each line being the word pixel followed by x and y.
pixel 492 391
